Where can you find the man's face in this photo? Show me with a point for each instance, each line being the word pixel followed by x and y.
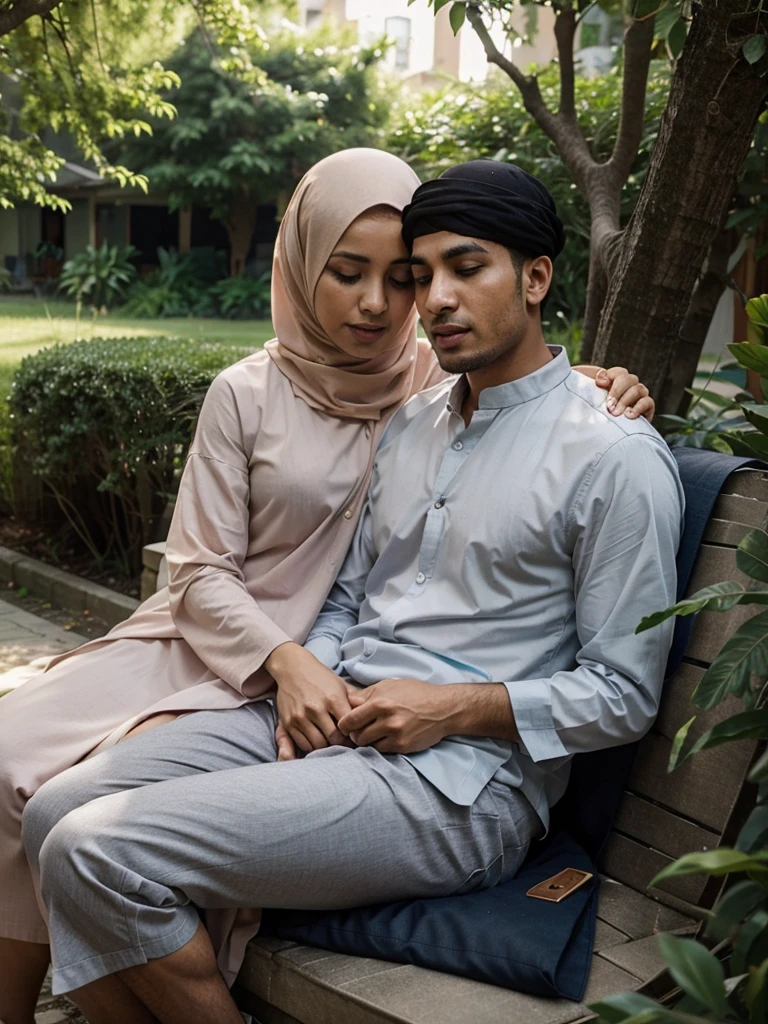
pixel 470 299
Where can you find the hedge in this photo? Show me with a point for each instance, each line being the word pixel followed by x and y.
pixel 105 425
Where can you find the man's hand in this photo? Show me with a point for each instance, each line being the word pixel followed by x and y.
pixel 400 716
pixel 310 700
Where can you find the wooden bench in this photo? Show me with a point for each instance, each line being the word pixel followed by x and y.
pixel 701 806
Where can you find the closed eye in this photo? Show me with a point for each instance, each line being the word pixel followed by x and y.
pixel 345 278
pixel 469 271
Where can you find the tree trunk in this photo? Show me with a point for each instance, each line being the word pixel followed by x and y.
pixel 240 226
pixel 715 100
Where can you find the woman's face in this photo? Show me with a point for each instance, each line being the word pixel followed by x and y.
pixel 365 292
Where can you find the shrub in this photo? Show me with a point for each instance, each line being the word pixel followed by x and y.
pixel 243 298
pixel 177 287
pixel 98 276
pixel 106 425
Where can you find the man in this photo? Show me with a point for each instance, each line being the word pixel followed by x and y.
pixel 514 536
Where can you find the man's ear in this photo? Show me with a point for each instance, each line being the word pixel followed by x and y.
pixel 538 278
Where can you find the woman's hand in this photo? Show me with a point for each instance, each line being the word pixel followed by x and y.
pixel 625 392
pixel 310 700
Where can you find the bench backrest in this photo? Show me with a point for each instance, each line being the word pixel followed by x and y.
pixel 704 803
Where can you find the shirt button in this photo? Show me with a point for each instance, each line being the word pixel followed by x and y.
pixel 457 445
pixel 421 578
pixel 440 502
pixel 348 514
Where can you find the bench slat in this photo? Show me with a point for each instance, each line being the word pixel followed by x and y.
pixel 635 865
pixel 704 789
pixel 661 829
pixel 737 509
pixel 750 483
pixel 635 914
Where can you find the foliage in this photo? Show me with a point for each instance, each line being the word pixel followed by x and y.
pixel 88 71
pixel 178 286
pixel 98 276
pixel 243 298
pixel 711 416
pixel 106 424
pixel 740 670
pixel 235 144
pixel 435 130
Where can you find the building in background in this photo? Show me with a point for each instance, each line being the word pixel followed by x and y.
pixel 425 50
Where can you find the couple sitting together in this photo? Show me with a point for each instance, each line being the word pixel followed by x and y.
pixel 463 534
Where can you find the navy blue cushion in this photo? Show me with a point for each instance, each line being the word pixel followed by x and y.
pixel 500 935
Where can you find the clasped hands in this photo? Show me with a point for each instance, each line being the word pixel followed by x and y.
pixel 317 709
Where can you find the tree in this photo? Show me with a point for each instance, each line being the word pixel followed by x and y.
pixel 81 69
pixel 236 144
pixel 650 290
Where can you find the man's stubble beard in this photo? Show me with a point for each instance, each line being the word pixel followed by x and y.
pixel 471 361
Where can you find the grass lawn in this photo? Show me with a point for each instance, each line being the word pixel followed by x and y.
pixel 28 324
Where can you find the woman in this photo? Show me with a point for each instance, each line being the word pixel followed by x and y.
pixel 271 493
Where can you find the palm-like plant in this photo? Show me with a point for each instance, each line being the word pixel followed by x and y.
pixel 98 276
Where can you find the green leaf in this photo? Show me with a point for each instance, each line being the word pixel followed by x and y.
pixel 713 397
pixel 716 598
pixel 744 726
pixel 757 310
pixel 757 415
pixel 676 38
pixel 665 19
pixel 740 900
pixel 752 555
pixel 626 1006
pixel 456 15
pixel 744 653
pixel 722 861
pixel 756 993
pixel 750 946
pixel 440 4
pixel 754 48
pixel 751 355
pixel 677 744
pixel 696 971
pixel 752 444
pixel 754 834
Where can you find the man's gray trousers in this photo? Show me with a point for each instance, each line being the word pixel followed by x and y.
pixel 198 814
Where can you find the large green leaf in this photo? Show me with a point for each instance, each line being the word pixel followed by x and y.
pixel 752 555
pixel 750 443
pixel 754 834
pixel 751 355
pixel 746 652
pixel 718 597
pixel 744 726
pixel 757 415
pixel 722 861
pixel 757 311
pixel 741 899
pixel 696 971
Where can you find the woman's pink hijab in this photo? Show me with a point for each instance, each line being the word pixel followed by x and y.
pixel 327 200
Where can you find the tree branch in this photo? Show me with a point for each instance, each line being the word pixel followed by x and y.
pixel 528 86
pixel 21 11
pixel 564 132
pixel 638 40
pixel 565 32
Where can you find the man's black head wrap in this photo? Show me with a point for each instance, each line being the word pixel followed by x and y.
pixel 487 199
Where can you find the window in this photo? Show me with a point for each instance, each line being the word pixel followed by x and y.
pixel 399 29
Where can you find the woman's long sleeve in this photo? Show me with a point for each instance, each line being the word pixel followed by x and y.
pixel 207 547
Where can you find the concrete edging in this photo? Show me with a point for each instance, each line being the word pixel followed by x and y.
pixel 64 589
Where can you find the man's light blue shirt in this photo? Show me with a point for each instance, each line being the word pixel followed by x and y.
pixel 522 549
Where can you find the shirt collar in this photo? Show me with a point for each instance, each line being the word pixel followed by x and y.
pixel 516 392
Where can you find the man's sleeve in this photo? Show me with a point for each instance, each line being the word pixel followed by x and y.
pixel 627 526
pixel 342 607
